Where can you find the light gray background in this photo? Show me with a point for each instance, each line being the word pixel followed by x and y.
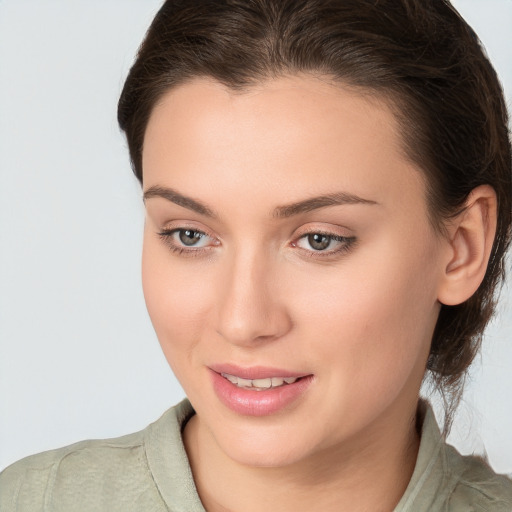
pixel 78 356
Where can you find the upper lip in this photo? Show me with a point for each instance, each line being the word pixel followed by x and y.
pixel 255 372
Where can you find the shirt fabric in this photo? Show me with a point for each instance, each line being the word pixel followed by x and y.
pixel 149 471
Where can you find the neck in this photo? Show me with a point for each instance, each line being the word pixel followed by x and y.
pixel 367 473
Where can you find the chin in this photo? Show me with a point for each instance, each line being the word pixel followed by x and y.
pixel 263 458
pixel 263 447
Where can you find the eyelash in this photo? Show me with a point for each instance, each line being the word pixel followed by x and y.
pixel 346 243
pixel 167 236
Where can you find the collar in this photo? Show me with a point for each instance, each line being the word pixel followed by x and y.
pixel 430 486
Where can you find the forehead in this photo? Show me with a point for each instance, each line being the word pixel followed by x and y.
pixel 298 134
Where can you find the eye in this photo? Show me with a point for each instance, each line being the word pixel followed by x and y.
pixel 327 243
pixel 318 242
pixel 191 237
pixel 187 240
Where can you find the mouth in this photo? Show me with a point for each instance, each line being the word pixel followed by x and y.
pixel 258 390
pixel 259 384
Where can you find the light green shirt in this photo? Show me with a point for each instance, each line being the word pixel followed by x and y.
pixel 149 472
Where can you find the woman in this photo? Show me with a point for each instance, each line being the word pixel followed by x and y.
pixel 327 190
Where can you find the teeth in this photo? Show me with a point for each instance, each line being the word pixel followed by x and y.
pixel 262 383
pixel 244 383
pixel 231 378
pixel 259 384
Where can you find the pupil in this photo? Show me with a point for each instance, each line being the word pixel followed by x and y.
pixel 189 237
pixel 319 242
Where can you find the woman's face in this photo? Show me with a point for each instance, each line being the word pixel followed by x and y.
pixel 287 236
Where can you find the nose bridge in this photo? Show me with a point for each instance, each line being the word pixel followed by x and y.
pixel 249 307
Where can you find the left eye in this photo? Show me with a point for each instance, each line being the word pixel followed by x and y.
pixel 321 242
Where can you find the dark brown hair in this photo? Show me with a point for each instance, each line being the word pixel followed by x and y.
pixel 420 55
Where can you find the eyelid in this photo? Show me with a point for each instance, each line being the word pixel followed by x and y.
pixel 182 225
pixel 346 241
pixel 327 230
pixel 324 227
pixel 168 232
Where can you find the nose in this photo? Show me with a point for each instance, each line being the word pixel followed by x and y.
pixel 250 309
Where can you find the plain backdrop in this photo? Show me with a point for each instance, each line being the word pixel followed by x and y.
pixel 78 356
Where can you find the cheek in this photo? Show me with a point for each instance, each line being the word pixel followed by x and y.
pixel 177 300
pixel 373 318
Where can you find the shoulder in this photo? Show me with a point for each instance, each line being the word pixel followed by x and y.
pixel 443 479
pixel 104 474
pixel 25 485
pixel 478 487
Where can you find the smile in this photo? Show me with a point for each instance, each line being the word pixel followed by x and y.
pixel 271 391
pixel 259 384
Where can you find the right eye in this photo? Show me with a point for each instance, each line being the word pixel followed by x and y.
pixel 190 237
pixel 187 239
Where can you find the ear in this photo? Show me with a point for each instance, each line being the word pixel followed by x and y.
pixel 469 243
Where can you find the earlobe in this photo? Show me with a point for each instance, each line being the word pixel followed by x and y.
pixel 470 239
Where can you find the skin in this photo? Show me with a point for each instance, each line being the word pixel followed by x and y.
pixel 358 316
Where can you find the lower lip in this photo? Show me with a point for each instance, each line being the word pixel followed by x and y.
pixel 258 403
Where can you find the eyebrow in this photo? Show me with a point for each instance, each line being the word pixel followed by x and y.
pixel 314 203
pixel 281 212
pixel 179 199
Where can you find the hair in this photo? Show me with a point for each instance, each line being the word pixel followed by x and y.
pixel 420 56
